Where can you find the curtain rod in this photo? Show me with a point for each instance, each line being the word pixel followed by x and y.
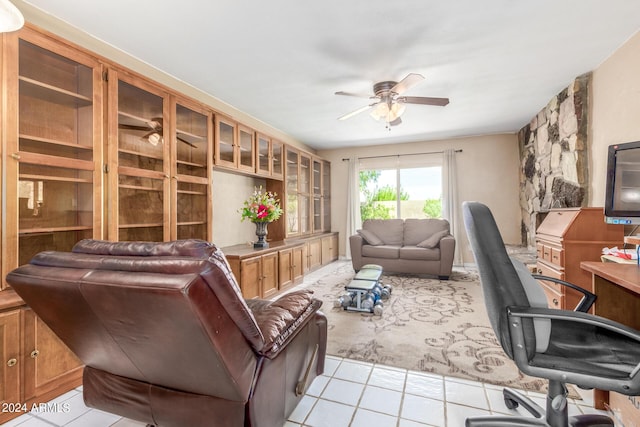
pixel 398 155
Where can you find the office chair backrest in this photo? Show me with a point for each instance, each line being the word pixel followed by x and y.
pixel 501 285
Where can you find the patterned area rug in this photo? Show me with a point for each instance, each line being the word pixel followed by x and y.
pixel 427 325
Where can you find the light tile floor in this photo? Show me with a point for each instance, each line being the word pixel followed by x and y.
pixel 349 394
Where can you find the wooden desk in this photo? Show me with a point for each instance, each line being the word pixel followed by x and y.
pixel 617 287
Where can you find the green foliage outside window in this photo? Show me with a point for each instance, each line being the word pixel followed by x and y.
pixel 433 208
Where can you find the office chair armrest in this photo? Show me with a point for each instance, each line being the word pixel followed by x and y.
pixel 587 300
pixel 516 314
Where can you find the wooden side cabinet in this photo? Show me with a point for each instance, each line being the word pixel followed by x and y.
pixel 329 248
pixel 269 276
pixel 10 352
pixel 315 253
pixel 262 273
pixel 36 365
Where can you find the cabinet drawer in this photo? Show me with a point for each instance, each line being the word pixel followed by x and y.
pixel 557 256
pixel 539 250
pixel 545 270
pixel 554 298
pixel 546 253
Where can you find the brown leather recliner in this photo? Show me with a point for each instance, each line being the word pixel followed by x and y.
pixel 166 337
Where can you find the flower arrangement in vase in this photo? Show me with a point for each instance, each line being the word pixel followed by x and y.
pixel 261 208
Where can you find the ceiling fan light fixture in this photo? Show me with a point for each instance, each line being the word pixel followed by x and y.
pixel 397 109
pixel 11 18
pixel 380 110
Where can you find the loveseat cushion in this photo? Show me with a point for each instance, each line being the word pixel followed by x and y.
pixel 390 231
pixel 384 251
pixel 415 252
pixel 434 240
pixel 418 230
pixel 370 237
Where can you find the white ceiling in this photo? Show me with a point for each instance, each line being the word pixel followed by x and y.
pixel 280 61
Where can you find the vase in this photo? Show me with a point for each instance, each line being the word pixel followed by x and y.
pixel 261 232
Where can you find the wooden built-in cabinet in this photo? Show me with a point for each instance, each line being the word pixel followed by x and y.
pixel 564 239
pixel 139 160
pixel 191 171
pixel 291 266
pixel 269 157
pixel 235 146
pixel 53 124
pixel 52 118
pixel 261 273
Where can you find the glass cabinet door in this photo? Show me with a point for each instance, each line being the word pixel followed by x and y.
pixel 263 153
pixel 53 172
pixel 326 196
pixel 191 204
pixel 317 195
pixel 139 175
pixel 225 142
pixel 246 149
pixel 277 153
pixel 304 196
pixel 293 159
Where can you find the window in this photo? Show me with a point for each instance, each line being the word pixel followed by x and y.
pixel 401 188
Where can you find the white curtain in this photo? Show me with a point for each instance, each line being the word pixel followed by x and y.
pixel 354 222
pixel 450 199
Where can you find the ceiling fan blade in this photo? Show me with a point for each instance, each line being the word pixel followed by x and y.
pixel 359 95
pixel 353 113
pixel 424 100
pixel 395 122
pixel 184 141
pixel 410 80
pixel 133 127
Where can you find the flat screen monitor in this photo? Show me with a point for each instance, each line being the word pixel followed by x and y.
pixel 622 198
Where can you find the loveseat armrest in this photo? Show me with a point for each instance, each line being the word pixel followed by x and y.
pixel 447 249
pixel 282 319
pixel 355 242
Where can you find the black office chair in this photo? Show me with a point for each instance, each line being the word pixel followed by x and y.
pixel 560 345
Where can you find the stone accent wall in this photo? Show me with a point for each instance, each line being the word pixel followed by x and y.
pixel 553 154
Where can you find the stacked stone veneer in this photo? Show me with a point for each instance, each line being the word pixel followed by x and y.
pixel 553 153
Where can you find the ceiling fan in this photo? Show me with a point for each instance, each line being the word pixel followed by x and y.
pixel 389 104
pixel 154 134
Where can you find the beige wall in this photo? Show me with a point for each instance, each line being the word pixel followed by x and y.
pixel 229 193
pixel 616 110
pixel 488 172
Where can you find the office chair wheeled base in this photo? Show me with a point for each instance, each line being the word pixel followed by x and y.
pixel 554 416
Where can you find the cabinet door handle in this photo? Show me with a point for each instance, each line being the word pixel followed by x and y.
pixel 34 354
pixel 15 156
pixel 555 301
pixel 12 362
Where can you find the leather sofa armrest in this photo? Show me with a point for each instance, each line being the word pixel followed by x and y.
pixel 282 319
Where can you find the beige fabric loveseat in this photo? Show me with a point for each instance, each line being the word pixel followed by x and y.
pixel 417 246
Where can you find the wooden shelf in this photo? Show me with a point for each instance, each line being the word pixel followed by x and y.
pixel 138 153
pixel 54 141
pixel 186 223
pixel 195 193
pixel 48 230
pixel 37 89
pixel 197 165
pixel 55 178
pixel 140 187
pixel 150 225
